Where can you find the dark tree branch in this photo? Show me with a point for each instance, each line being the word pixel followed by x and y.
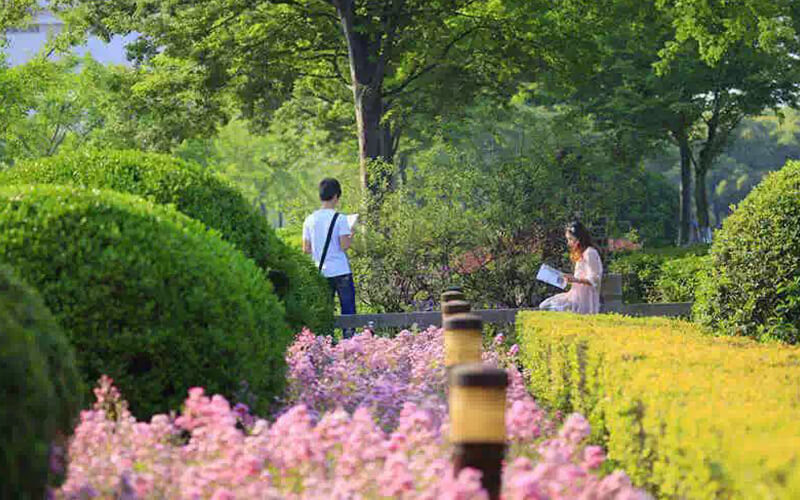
pixel 57 142
pixel 400 88
pixel 318 75
pixel 89 129
pixel 318 52
pixel 298 4
pixel 345 9
pixel 396 134
pixel 338 71
pixel 391 23
pixel 325 99
pixel 430 67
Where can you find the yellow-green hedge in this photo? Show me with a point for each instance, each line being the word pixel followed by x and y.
pixel 685 414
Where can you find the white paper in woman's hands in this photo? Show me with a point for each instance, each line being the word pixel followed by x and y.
pixel 552 276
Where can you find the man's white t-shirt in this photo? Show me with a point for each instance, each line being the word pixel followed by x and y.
pixel 315 230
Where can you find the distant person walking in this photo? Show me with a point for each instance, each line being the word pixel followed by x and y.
pixel 326 237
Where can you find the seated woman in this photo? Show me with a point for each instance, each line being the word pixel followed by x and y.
pixel 583 296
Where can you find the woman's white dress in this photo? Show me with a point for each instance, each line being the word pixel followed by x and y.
pixel 581 298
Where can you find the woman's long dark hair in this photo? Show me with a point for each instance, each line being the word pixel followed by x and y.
pixel 580 233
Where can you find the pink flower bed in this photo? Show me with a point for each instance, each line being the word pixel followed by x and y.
pixel 366 418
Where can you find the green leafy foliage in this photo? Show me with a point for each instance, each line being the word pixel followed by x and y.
pixel 677 72
pixel 410 258
pixel 204 196
pixel 639 272
pixel 146 295
pixel 753 288
pixel 279 170
pixel 679 279
pixel 16 13
pixel 717 27
pixel 40 387
pixel 57 106
pixel 292 236
pixel 406 59
pixel 70 103
pixel 760 145
pixel 486 203
pixel 642 273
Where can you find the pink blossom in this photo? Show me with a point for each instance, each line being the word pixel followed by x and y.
pixel 593 457
pixel 576 428
pixel 523 419
pixel 366 418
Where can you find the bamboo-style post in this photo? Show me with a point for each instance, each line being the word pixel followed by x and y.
pixel 478 422
pixel 454 307
pixel 463 339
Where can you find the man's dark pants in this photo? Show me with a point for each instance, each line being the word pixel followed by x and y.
pixel 344 287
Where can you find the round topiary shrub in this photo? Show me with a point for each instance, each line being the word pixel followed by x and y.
pixel 146 295
pixel 39 386
pixel 753 287
pixel 201 195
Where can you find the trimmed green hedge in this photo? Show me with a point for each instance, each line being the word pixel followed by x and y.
pixel 679 279
pixel 201 195
pixel 641 271
pixel 686 415
pixel 753 288
pixel 146 295
pixel 39 386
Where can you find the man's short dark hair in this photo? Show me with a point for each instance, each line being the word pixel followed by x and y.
pixel 328 188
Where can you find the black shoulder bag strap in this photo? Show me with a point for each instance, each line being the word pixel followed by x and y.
pixel 328 241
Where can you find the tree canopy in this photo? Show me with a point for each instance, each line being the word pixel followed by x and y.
pixel 67 103
pixel 15 13
pixel 684 72
pixel 394 57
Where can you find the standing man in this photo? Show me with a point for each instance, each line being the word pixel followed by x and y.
pixel 326 237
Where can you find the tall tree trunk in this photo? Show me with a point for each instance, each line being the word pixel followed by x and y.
pixel 717 133
pixel 374 138
pixel 684 228
pixel 401 174
pixel 701 205
pixel 367 70
pixel 717 209
pixel 702 167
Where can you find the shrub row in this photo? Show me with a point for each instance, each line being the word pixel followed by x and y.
pixel 754 285
pixel 145 294
pixel 205 197
pixel 686 415
pixel 660 275
pixel 39 386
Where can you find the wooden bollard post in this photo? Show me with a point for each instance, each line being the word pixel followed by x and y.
pixel 463 339
pixel 478 422
pixel 454 307
pixel 452 294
